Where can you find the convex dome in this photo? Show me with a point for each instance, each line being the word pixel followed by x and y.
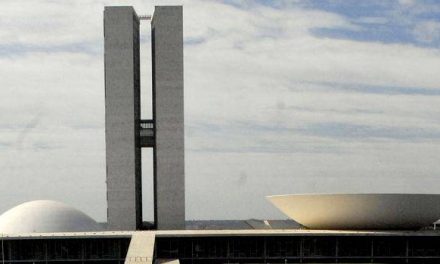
pixel 45 216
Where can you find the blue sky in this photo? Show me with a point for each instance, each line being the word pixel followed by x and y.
pixel 386 21
pixel 376 21
pixel 280 97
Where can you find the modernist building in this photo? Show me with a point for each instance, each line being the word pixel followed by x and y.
pixel 50 232
pixel 126 133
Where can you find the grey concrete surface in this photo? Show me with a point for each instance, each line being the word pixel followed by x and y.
pixel 168 113
pixel 122 115
pixel 141 249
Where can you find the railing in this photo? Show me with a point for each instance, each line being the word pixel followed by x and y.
pixel 147 124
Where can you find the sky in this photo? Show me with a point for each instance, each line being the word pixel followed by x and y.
pixel 281 97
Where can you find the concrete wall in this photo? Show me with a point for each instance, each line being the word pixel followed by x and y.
pixel 169 163
pixel 122 114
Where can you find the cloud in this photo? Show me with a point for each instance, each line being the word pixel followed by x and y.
pixel 373 20
pixel 407 2
pixel 272 105
pixel 427 31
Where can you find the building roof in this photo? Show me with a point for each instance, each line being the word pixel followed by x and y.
pixel 44 216
pixel 219 233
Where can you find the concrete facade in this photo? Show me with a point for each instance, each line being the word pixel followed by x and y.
pixel 224 246
pixel 126 133
pixel 122 116
pixel 168 115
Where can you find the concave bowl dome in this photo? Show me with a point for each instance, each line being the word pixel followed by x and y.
pixel 360 211
pixel 45 216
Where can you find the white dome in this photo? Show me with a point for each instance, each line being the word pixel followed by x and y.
pixel 45 216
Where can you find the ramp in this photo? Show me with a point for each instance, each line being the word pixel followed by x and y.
pixel 141 248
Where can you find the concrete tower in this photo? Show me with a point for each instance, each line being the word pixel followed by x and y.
pixel 169 163
pixel 122 117
pixel 126 133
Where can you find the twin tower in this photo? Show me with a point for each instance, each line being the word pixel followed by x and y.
pixel 126 133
